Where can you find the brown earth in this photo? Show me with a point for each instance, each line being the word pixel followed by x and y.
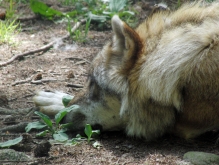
pixel 67 63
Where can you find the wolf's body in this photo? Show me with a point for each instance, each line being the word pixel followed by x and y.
pixel 161 77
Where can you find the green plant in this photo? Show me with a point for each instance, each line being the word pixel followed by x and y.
pixel 68 2
pixel 11 142
pixel 10 9
pixel 7 29
pixel 66 99
pixel 80 35
pixel 178 3
pixel 87 25
pixel 57 131
pixel 111 8
pixel 89 132
pixel 92 10
pixel 43 10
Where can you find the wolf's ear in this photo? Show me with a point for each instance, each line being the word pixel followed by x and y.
pixel 126 42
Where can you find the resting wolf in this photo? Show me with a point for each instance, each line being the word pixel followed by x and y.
pixel 162 77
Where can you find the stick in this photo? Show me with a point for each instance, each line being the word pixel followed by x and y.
pixel 77 58
pixel 43 48
pixel 23 81
pixel 5 111
pixel 44 80
pixel 15 128
pixel 75 85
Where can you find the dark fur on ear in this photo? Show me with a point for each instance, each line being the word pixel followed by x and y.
pixel 128 40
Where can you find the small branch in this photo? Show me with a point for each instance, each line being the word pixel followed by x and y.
pixel 75 85
pixel 42 49
pixel 43 81
pixel 5 111
pixel 15 161
pixel 15 128
pixel 30 17
pixel 77 58
pixel 23 81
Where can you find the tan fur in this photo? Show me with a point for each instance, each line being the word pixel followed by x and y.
pixel 161 77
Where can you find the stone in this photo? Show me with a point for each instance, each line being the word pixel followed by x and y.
pixel 201 158
pixel 12 155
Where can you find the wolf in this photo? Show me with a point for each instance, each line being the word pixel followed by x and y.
pixel 161 77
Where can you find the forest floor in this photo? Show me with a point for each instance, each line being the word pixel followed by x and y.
pixel 64 68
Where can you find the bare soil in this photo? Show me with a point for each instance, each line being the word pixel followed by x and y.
pixel 67 63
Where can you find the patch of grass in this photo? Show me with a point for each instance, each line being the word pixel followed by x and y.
pixel 67 2
pixel 80 35
pixel 7 29
pixel 22 1
pixel 10 9
pixel 95 11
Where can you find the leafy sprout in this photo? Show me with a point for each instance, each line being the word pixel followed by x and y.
pixel 11 142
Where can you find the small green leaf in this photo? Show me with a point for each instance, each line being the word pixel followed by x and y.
pixel 78 136
pixel 66 99
pixel 36 125
pixel 62 113
pixel 88 131
pixel 43 133
pixel 42 9
pixel 45 118
pixel 11 142
pixel 74 141
pixel 129 12
pixel 97 17
pixel 116 6
pixel 72 13
pixel 60 136
pixel 67 125
pixel 96 131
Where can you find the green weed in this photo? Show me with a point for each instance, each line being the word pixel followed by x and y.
pixel 7 29
pixel 89 132
pixel 57 131
pixel 10 9
pixel 67 2
pixel 92 10
pixel 11 142
pixel 80 35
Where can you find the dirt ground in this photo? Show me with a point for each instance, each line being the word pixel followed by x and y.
pixel 64 68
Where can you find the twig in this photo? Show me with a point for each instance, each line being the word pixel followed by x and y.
pixel 17 161
pixel 43 48
pixel 28 18
pixel 43 81
pixel 23 81
pixel 75 85
pixel 5 111
pixel 15 128
pixel 72 58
